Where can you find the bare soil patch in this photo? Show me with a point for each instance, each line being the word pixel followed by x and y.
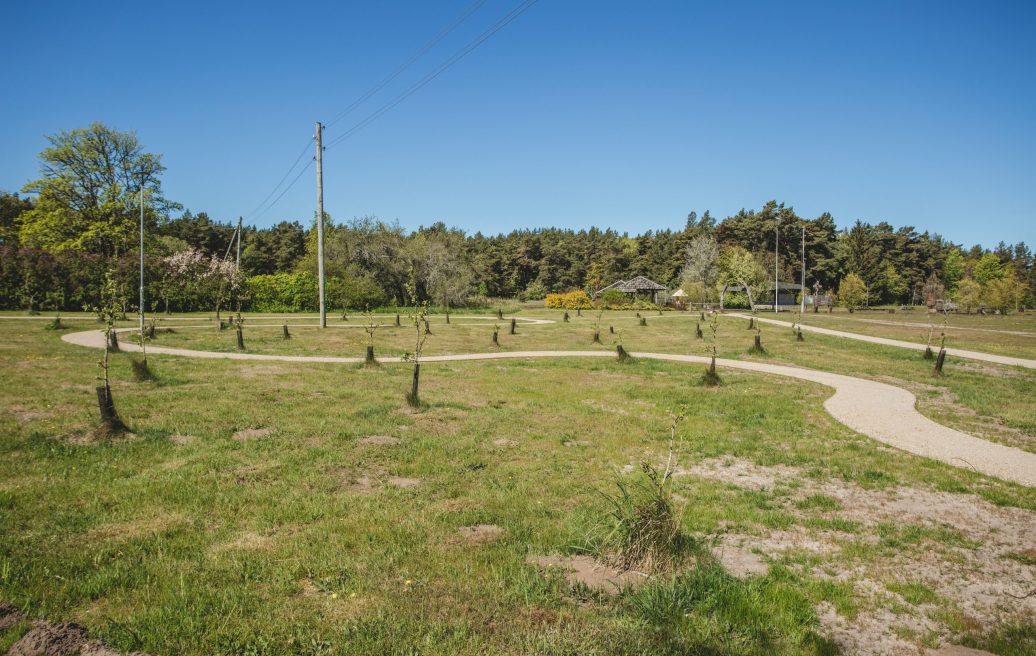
pixel 59 639
pixel 380 440
pixel 584 570
pixel 252 434
pixel 741 562
pixel 405 483
pixel 503 441
pixel 481 533
pixel 9 616
pixel 961 547
pixel 248 541
pixel 47 639
pixel 23 414
pixel 958 650
pixel 133 528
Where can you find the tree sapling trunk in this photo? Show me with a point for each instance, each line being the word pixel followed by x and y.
pixel 643 321
pixel 697 331
pixel 496 334
pixel 611 329
pixel 111 424
pixel 751 323
pixel 369 360
pixel 413 398
pixel 711 378
pixel 240 338
pixel 565 318
pixel 397 320
pixel 939 362
pixel 757 345
pixel 513 323
pixel 597 337
pixel 798 336
pixel 286 335
pixel 622 354
pixel 113 340
pixel 427 328
pixel 499 314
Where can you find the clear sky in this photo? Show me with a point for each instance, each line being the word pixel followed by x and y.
pixel 616 114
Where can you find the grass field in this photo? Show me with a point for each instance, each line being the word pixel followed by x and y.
pixel 248 515
pixel 962 399
pixel 1013 334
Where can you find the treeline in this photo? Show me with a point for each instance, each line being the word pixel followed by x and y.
pixel 80 221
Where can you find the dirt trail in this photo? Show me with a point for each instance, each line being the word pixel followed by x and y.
pixel 878 410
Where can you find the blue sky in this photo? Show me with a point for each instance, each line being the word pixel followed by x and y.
pixel 616 114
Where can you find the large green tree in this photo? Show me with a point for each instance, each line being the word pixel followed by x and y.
pixel 87 195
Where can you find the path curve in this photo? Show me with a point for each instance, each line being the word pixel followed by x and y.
pixel 878 410
pixel 960 353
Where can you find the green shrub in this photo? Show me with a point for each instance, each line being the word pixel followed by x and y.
pixel 283 292
pixel 356 292
pixel 534 292
pixel 736 300
pixel 613 299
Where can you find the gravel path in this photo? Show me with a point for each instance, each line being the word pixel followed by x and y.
pixel 878 410
pixel 960 353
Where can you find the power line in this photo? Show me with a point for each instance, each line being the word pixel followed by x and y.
pixel 253 214
pixel 456 57
pixel 472 8
pixel 286 189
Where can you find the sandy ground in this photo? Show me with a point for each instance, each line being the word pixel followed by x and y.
pixel 975 571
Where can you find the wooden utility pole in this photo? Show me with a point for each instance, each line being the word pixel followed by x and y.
pixel 320 225
pixel 237 262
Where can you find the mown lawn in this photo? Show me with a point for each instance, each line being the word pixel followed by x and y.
pixel 305 540
pixel 963 398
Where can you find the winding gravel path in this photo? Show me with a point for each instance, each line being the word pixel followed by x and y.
pixel 960 353
pixel 880 411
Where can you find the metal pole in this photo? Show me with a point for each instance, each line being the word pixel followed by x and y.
pixel 777 243
pixel 802 306
pixel 141 256
pixel 320 225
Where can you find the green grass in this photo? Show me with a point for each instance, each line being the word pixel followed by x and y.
pixel 269 546
pixel 989 334
pixel 962 398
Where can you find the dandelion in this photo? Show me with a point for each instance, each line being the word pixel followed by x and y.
pixel 352 595
pixel 334 595
pixel 407 582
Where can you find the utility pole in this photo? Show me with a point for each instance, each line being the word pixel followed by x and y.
pixel 142 257
pixel 776 255
pixel 238 261
pixel 802 306
pixel 320 225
